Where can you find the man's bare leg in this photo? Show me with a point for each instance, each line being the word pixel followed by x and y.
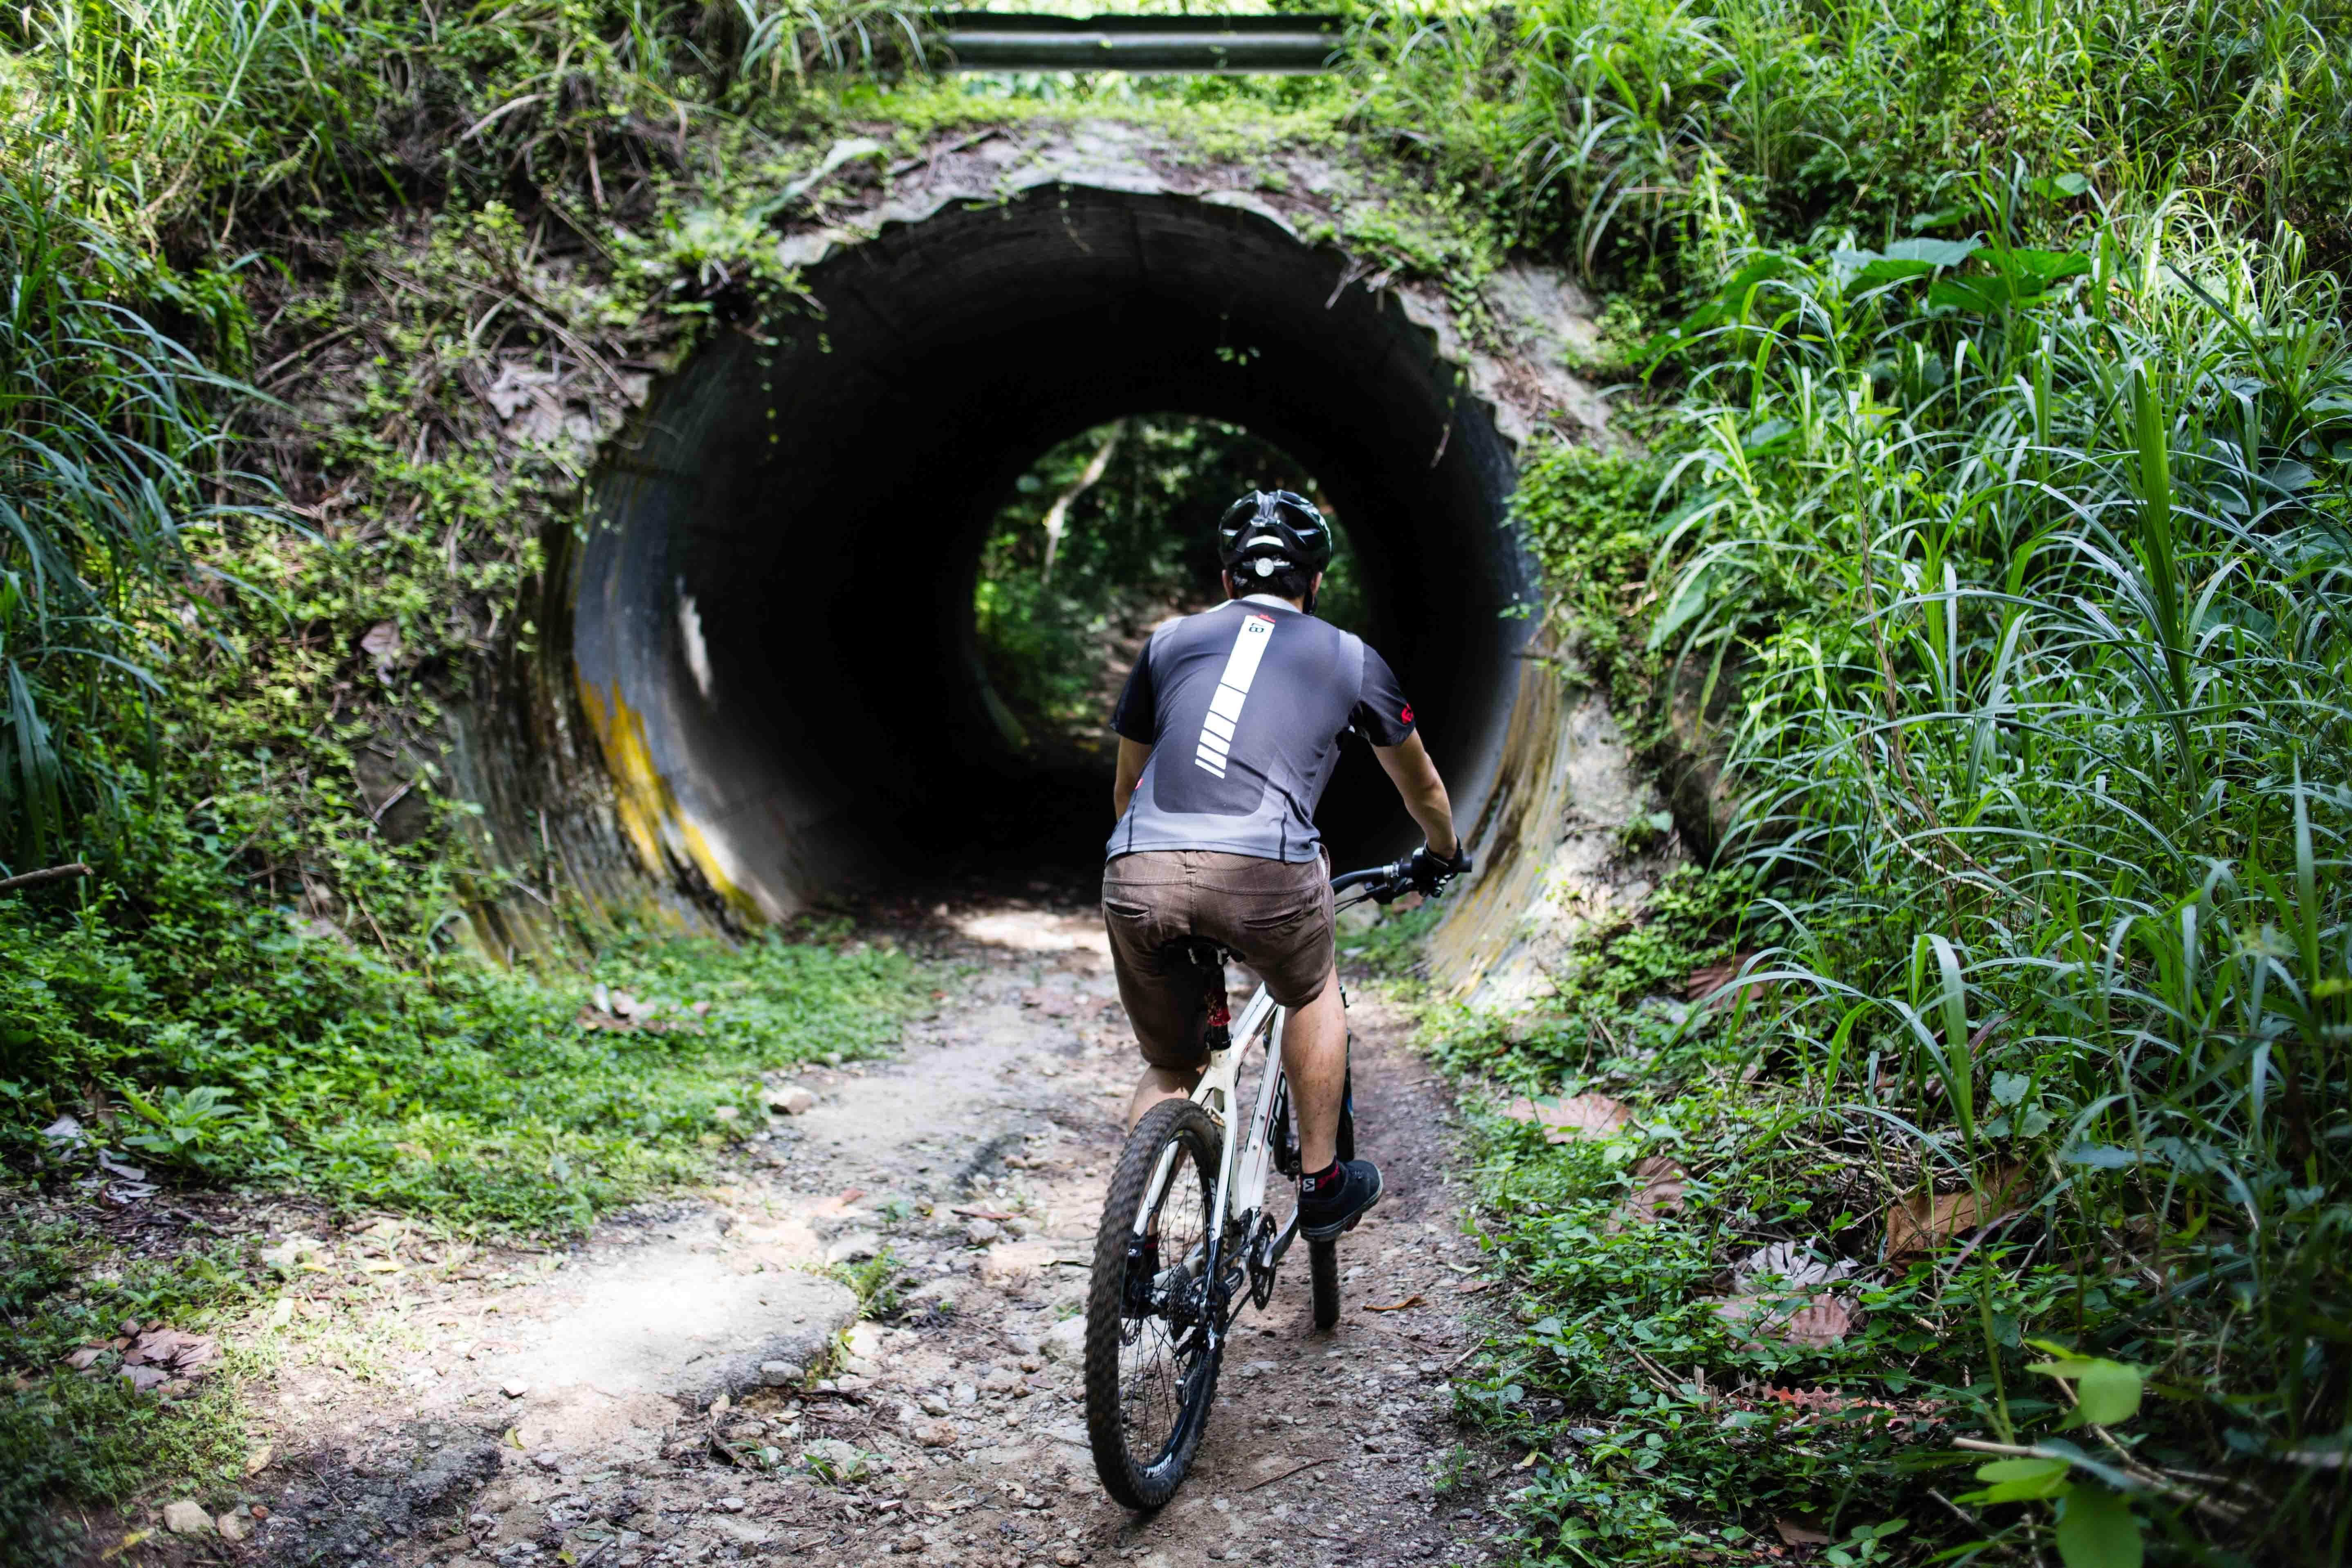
pixel 1155 1085
pixel 1315 1059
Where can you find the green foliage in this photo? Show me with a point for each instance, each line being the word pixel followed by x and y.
pixel 2024 555
pixel 215 1040
pixel 1652 142
pixel 94 1440
pixel 1585 514
pixel 108 453
pixel 2031 553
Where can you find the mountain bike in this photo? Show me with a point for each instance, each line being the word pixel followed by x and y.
pixel 1188 1237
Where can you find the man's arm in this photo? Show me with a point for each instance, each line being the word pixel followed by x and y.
pixel 1415 776
pixel 1133 754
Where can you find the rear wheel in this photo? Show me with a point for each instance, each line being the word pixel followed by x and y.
pixel 1152 1372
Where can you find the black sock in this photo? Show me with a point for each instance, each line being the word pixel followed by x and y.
pixel 1322 1183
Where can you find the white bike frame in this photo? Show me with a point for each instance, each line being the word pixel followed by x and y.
pixel 1245 1161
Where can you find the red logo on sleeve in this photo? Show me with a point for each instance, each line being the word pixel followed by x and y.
pixel 1407 714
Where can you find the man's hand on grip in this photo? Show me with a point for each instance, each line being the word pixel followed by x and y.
pixel 1429 872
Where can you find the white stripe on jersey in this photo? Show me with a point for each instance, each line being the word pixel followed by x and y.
pixel 1233 690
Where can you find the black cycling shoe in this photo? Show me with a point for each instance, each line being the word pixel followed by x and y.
pixel 1339 1210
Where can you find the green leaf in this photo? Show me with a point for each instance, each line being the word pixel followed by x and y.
pixel 1687 602
pixel 2097 1530
pixel 2022 1480
pixel 2109 1391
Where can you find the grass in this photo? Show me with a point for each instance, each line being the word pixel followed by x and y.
pixel 207 1041
pixel 1996 484
pixel 93 1442
pixel 215 1042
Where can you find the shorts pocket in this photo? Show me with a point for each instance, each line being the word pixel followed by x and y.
pixel 1277 919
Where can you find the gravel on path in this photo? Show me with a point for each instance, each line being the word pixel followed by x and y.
pixel 690 1385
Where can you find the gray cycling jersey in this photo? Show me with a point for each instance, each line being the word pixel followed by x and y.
pixel 1243 707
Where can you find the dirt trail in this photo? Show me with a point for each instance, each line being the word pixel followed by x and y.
pixel 640 1402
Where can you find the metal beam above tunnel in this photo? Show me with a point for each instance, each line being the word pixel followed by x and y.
pixel 1286 45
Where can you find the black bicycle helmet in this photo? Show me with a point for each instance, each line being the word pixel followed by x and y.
pixel 1266 531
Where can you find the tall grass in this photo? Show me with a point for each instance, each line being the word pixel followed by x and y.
pixel 2040 594
pixel 110 452
pixel 139 141
pixel 1643 134
pixel 2006 435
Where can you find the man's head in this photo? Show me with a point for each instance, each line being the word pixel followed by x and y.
pixel 1274 542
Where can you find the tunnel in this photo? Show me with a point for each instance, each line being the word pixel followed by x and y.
pixel 771 611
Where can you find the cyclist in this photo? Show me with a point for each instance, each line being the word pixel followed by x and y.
pixel 1228 730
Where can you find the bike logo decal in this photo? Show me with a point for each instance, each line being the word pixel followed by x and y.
pixel 1233 690
pixel 1407 715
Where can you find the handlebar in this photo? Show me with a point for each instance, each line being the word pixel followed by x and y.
pixel 1383 884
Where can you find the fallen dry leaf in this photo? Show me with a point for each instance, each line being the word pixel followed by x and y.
pixel 1703 982
pixel 1797 1534
pixel 981 1213
pixel 80 1360
pixel 1053 1004
pixel 170 1352
pixel 1412 1301
pixel 1472 1287
pixel 1659 1185
pixel 1824 1320
pixel 1563 1120
pixel 1920 1224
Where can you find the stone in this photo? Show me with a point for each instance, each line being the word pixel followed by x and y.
pixel 233 1526
pixel 855 1247
pixel 1003 1380
pixel 791 1100
pixel 514 1388
pixel 864 1340
pixel 780 1373
pixel 934 1405
pixel 1016 1260
pixel 937 1435
pixel 840 1461
pixel 547 1458
pixel 1066 1340
pixel 186 1518
pixel 981 1232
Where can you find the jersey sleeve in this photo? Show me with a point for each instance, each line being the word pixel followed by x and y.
pixel 1137 716
pixel 1381 714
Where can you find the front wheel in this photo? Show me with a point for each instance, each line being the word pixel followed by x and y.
pixel 1151 1367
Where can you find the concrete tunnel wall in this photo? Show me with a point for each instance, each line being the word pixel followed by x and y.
pixel 772 617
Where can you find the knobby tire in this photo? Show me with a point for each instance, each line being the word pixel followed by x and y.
pixel 1147 1479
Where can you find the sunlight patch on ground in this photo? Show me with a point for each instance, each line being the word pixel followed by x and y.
pixel 1035 931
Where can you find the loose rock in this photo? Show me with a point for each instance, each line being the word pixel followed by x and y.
pixel 186 1518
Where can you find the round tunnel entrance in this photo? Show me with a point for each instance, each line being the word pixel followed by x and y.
pixel 772 630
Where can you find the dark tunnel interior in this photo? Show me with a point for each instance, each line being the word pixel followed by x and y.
pixel 772 629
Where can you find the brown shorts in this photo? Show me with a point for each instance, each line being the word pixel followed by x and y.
pixel 1275 915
